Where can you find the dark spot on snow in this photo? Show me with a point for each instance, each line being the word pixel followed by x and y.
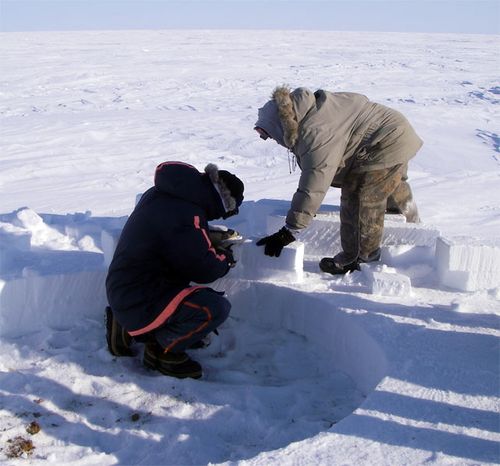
pixel 33 428
pixel 18 447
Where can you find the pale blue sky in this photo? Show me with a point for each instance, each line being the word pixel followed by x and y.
pixel 460 16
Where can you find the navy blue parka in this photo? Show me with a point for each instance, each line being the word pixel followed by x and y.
pixel 164 246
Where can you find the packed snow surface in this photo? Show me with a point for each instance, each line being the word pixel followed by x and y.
pixel 397 363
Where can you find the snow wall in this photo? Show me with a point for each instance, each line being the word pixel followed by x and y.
pixel 53 268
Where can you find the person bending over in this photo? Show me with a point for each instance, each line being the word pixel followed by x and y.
pixel 344 140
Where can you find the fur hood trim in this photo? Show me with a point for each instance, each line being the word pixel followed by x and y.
pixel 288 117
pixel 228 201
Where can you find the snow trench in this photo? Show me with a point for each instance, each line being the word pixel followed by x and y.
pixel 285 362
pixel 288 361
pixel 55 302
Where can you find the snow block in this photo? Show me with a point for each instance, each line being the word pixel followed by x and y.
pixel 385 281
pixel 253 264
pixel 322 236
pixel 28 304
pixel 109 240
pixel 468 264
pixel 404 254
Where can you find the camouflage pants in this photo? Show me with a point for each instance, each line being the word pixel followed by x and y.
pixel 363 202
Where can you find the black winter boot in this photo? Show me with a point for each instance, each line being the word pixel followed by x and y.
pixel 327 264
pixel 178 365
pixel 118 339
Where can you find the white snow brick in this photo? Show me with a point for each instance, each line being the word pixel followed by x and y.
pixel 416 234
pixel 385 281
pixel 322 236
pixel 30 303
pixel 404 255
pixel 253 264
pixel 109 240
pixel 468 264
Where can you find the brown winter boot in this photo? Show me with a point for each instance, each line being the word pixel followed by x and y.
pixel 327 264
pixel 118 339
pixel 178 365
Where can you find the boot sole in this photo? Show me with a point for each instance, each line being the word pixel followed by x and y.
pixel 151 362
pixel 177 375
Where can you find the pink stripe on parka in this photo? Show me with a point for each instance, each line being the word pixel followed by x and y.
pixel 168 311
pixel 220 257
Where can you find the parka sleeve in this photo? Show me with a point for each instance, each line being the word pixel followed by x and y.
pixel 194 257
pixel 319 165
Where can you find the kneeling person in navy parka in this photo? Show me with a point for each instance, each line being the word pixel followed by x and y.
pixel 163 248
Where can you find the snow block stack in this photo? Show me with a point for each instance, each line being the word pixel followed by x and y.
pixel 322 237
pixel 468 264
pixel 253 264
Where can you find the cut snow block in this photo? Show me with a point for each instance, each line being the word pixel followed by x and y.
pixel 109 240
pixel 404 255
pixel 30 303
pixel 416 234
pixel 322 236
pixel 385 281
pixel 468 264
pixel 253 264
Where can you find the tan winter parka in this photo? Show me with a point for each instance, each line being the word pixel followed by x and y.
pixel 335 134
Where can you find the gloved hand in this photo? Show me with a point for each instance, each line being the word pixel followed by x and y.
pixel 276 242
pixel 227 251
pixel 219 238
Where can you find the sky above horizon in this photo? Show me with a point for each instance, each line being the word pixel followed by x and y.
pixel 447 16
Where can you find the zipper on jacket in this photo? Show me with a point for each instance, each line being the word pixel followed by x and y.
pixel 292 162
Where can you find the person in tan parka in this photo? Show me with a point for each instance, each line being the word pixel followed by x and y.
pixel 342 139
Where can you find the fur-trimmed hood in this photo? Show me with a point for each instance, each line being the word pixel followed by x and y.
pixel 229 187
pixel 333 134
pixel 280 117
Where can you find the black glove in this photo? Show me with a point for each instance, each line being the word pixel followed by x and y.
pixel 228 253
pixel 276 242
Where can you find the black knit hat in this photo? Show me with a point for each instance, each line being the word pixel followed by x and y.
pixel 229 186
pixel 234 184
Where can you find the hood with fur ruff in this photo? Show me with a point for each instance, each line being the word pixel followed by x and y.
pixel 229 186
pixel 279 118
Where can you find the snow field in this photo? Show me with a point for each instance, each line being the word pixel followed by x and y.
pixel 84 134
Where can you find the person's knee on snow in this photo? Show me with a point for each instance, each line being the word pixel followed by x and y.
pixel 194 319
